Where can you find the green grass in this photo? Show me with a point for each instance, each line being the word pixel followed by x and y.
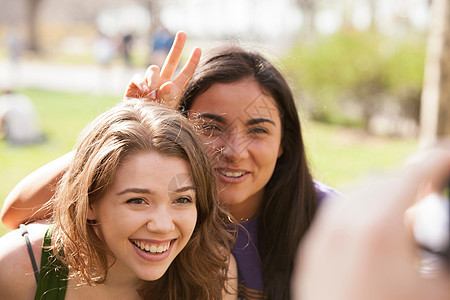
pixel 341 156
pixel 62 116
pixel 337 155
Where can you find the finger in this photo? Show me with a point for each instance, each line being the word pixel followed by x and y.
pixel 139 81
pixel 136 87
pixel 173 58
pixel 152 77
pixel 153 95
pixel 432 166
pixel 180 82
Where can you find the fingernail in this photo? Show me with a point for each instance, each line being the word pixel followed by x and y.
pixel 152 94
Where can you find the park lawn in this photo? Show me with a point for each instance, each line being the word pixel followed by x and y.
pixel 338 156
pixel 62 117
pixel 341 156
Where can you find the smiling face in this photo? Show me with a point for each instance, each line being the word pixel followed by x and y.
pixel 148 215
pixel 242 128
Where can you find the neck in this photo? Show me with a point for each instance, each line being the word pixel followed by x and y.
pixel 114 287
pixel 120 276
pixel 247 209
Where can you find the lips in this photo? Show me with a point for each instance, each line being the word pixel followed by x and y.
pixel 232 176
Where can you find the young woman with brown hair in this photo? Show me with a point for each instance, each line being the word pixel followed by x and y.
pixel 135 216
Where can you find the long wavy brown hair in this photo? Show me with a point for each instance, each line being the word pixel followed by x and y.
pixel 199 271
pixel 289 202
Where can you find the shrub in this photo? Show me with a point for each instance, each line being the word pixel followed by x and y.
pixel 345 77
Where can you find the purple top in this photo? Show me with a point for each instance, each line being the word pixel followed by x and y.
pixel 245 250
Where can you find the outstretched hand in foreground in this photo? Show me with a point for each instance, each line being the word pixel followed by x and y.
pixel 359 247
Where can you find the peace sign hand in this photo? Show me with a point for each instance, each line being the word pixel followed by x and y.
pixel 157 84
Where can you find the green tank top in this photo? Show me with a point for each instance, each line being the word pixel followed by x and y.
pixel 53 274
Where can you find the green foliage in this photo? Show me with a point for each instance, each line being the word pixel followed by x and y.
pixel 359 66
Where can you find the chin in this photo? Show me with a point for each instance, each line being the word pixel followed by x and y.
pixel 152 275
pixel 230 200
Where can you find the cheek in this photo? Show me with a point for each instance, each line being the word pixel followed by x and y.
pixel 212 146
pixel 266 152
pixel 187 221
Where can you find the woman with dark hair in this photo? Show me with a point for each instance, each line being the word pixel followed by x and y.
pixel 250 125
pixel 249 119
pixel 135 217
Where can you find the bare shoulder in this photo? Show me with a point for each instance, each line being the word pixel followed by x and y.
pixel 17 279
pixel 232 284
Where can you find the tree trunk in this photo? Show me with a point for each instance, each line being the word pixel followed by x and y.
pixel 308 8
pixel 435 106
pixel 346 14
pixel 373 14
pixel 32 8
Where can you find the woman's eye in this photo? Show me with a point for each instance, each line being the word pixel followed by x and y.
pixel 211 129
pixel 183 200
pixel 258 130
pixel 136 201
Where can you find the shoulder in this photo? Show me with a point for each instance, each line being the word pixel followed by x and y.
pixel 232 280
pixel 325 192
pixel 17 280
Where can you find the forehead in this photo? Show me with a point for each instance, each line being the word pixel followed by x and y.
pixel 151 169
pixel 243 98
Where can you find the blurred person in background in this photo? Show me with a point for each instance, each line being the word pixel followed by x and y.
pixel 162 40
pixel 19 123
pixel 103 50
pixel 126 46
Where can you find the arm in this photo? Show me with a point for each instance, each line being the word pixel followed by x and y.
pixel 157 84
pixel 25 201
pixel 360 248
pixel 232 282
pixel 17 279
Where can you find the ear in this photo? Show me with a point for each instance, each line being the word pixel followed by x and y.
pixel 91 215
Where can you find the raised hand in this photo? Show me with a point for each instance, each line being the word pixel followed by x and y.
pixel 157 84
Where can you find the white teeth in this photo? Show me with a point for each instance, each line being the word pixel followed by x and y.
pixel 151 248
pixel 232 174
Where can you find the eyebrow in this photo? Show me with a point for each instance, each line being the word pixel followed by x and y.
pixel 212 117
pixel 221 119
pixel 146 191
pixel 259 120
pixel 135 190
pixel 185 188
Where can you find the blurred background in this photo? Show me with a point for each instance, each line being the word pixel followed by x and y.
pixel 356 67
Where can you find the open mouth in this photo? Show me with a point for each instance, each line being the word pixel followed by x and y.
pixel 152 247
pixel 231 174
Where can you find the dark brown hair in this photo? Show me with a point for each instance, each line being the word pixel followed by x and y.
pixel 289 202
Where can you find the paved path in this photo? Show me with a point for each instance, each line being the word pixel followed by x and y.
pixel 68 78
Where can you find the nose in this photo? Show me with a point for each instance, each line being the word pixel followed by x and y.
pixel 234 145
pixel 160 221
